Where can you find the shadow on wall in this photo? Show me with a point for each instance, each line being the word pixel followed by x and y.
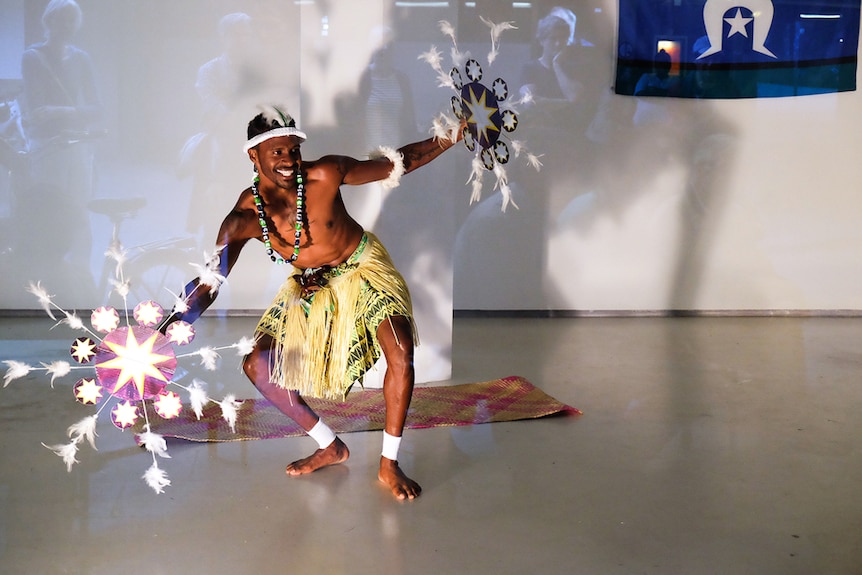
pixel 602 154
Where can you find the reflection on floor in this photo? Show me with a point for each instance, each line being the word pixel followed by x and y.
pixel 719 445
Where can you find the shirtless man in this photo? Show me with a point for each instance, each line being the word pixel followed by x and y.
pixel 327 248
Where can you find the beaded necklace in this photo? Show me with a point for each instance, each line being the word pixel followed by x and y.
pixel 261 219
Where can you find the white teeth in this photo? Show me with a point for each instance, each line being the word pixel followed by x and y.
pixel 285 173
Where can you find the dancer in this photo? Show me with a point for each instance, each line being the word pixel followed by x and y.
pixel 344 302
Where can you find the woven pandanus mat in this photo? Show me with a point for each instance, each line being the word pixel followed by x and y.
pixel 506 399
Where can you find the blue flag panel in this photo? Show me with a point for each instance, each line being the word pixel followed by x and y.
pixel 736 48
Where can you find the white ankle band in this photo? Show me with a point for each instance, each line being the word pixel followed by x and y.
pixel 390 446
pixel 322 434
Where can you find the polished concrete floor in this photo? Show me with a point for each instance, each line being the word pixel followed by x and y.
pixel 706 445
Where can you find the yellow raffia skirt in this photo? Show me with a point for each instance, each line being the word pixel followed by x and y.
pixel 325 343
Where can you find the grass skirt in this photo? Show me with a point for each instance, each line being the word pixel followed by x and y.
pixel 324 344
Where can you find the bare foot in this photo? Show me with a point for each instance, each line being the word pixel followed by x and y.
pixel 402 486
pixel 334 454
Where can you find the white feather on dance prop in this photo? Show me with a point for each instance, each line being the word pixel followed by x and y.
pixel 121 287
pixel 244 346
pixel 181 302
pixel 42 295
pixel 477 174
pixel 449 30
pixel 435 58
pixel 73 321
pixel 156 478
pixel 154 443
pixel 503 185
pixel 208 273
pixel 458 57
pixel 84 429
pixel 229 406
pixel 533 161
pixel 209 357
pixel 198 397
pixel 57 369
pixel 117 253
pixel 496 30
pixel 444 127
pixel 16 370
pixel 67 451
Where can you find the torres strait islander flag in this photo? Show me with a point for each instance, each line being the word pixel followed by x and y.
pixel 736 48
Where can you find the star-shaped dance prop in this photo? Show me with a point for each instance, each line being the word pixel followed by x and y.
pixel 134 364
pixel 489 113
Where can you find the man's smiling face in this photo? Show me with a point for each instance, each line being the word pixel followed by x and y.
pixel 278 159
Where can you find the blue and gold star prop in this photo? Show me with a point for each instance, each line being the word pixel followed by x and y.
pixel 488 112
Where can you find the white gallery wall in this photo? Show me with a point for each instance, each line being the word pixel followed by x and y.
pixel 642 204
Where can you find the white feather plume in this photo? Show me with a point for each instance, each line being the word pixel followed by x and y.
pixel 84 429
pixel 73 321
pixel 209 357
pixel 458 57
pixel 534 162
pixel 439 127
pixel 496 30
pixel 502 177
pixel 210 278
pixel 117 253
pixel 449 30
pixel 208 273
pixel 445 127
pixel 503 184
pixel 156 478
pixel 396 159
pixel 67 451
pixel 444 80
pixel 517 146
pixel 229 406
pixel 57 369
pixel 198 397
pixel 154 443
pixel 506 192
pixel 16 369
pixel 434 58
pixel 44 299
pixel 244 346
pixel 510 105
pixel 181 304
pixel 214 259
pixel 122 287
pixel 477 174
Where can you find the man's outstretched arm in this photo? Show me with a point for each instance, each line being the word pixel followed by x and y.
pixel 418 154
pixel 414 156
pixel 200 293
